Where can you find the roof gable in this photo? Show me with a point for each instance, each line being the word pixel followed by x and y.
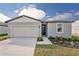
pixel 21 17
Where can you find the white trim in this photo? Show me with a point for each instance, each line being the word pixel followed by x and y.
pixel 57 27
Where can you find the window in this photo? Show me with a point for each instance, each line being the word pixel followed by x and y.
pixel 59 27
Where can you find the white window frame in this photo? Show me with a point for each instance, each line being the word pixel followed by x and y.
pixel 57 28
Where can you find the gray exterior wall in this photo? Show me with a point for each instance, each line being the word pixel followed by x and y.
pixel 51 30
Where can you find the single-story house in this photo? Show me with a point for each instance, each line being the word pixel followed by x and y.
pixel 3 28
pixel 25 26
pixel 75 27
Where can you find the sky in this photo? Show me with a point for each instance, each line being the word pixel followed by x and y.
pixel 40 10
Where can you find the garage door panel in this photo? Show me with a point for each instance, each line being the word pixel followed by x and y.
pixel 26 31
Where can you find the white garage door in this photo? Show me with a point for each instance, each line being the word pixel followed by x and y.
pixel 25 31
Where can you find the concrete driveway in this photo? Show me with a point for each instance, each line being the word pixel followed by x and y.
pixel 18 47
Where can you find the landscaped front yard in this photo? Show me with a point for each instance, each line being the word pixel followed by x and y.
pixel 55 50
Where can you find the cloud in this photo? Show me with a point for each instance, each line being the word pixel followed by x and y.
pixel 3 17
pixel 76 13
pixel 32 11
pixel 16 11
pixel 64 16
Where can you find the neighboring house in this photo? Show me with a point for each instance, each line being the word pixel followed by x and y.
pixel 3 28
pixel 25 26
pixel 75 28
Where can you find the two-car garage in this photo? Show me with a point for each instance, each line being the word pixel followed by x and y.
pixel 23 29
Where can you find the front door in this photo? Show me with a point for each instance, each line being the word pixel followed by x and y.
pixel 44 29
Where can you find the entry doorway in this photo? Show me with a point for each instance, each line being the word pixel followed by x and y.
pixel 44 29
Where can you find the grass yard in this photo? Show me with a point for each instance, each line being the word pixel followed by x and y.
pixel 3 37
pixel 55 50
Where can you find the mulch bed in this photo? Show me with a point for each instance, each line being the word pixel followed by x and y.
pixel 66 44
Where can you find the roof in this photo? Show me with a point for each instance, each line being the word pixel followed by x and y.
pixel 47 21
pixel 58 20
pixel 23 16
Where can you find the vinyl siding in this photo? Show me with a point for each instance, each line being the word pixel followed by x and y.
pixel 52 30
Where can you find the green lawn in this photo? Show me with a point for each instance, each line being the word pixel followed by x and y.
pixel 55 50
pixel 3 37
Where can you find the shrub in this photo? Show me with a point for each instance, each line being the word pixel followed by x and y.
pixel 59 40
pixel 69 39
pixel 3 34
pixel 56 38
pixel 51 37
pixel 64 39
pixel 40 39
pixel 75 38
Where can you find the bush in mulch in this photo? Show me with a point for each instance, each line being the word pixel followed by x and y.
pixel 52 39
pixel 67 42
pixel 40 39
